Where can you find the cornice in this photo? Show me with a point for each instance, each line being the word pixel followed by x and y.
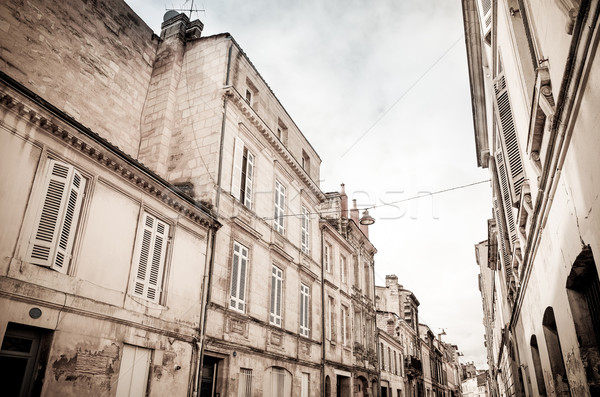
pixel 106 155
pixel 266 132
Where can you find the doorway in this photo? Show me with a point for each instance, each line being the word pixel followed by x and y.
pixel 23 358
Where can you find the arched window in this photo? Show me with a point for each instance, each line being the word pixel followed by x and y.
pixel 278 382
pixel 537 366
pixel 557 363
pixel 583 291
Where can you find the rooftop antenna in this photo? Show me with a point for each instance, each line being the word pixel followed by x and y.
pixel 189 10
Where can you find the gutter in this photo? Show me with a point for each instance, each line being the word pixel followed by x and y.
pixel 322 312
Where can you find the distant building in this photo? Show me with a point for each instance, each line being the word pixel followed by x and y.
pixel 475 386
pixel 534 75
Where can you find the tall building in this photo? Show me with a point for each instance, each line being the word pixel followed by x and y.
pixel 535 91
pixel 165 231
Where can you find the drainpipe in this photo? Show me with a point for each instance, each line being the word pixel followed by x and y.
pixel 208 270
pixel 322 312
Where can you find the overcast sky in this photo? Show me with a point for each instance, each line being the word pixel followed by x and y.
pixel 381 90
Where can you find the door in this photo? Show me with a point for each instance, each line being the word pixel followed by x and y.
pixel 133 374
pixel 19 357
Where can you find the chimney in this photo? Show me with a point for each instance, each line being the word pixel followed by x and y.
pixel 354 212
pixel 391 281
pixel 364 229
pixel 344 202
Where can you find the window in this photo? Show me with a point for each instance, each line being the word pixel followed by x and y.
pixel 282 131
pixel 249 97
pixel 557 363
pixel 243 173
pixel 133 372
pixel 381 357
pixel 537 366
pixel 53 234
pixel 278 381
pixel 343 269
pixel 305 384
pixel 276 286
pixel 245 386
pixel 305 243
pixel 238 277
pixel 389 359
pixel 330 319
pixel 327 258
pixel 345 326
pixel 395 363
pixel 305 162
pixel 279 207
pixel 150 258
pixel 304 310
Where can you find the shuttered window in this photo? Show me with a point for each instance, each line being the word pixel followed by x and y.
pixel 245 388
pixel 243 173
pixel 151 254
pixel 305 231
pixel 508 137
pixel 343 269
pixel 327 257
pixel 56 222
pixel 238 277
pixel 344 320
pixel 278 222
pixel 485 16
pixel 304 310
pixel 276 293
pixel 506 198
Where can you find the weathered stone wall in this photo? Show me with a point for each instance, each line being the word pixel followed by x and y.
pixel 91 59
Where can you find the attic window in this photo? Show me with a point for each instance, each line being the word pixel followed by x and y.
pixel 281 131
pixel 249 97
pixel 305 161
pixel 251 94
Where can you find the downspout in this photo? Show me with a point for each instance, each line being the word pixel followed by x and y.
pixel 208 270
pixel 322 313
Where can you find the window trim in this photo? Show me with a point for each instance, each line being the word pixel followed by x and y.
pixel 279 206
pixel 304 314
pixel 305 231
pixel 243 173
pixel 236 301
pixel 276 297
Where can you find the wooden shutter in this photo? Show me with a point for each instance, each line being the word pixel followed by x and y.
pixel 236 176
pixel 54 231
pixel 151 258
pixel 279 207
pixel 249 177
pixel 305 230
pixel 508 137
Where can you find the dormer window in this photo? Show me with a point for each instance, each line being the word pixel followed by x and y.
pixel 251 94
pixel 281 131
pixel 249 97
pixel 305 162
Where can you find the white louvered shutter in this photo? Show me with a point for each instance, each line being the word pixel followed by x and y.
pixel 151 258
pixel 305 231
pixel 485 16
pixel 508 135
pixel 54 232
pixel 236 177
pixel 506 198
pixel 249 177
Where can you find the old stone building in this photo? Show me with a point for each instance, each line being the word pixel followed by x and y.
pixel 164 231
pixel 534 82
pixel 430 366
pixel 103 259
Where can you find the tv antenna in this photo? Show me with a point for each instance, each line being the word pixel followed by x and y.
pixel 190 10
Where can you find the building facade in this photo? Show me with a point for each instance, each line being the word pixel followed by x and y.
pixel 168 234
pixel 534 82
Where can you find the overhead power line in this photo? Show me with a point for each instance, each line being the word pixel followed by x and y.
pixel 393 202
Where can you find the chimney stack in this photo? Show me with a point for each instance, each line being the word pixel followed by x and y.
pixel 354 212
pixel 344 202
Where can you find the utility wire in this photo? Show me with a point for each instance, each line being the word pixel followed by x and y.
pixel 391 203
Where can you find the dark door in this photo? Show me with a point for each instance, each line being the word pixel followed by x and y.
pixel 20 371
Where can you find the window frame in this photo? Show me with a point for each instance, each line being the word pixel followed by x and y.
pixel 304 310
pixel 276 297
pixel 327 257
pixel 279 207
pixel 235 302
pixel 244 171
pixel 305 231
